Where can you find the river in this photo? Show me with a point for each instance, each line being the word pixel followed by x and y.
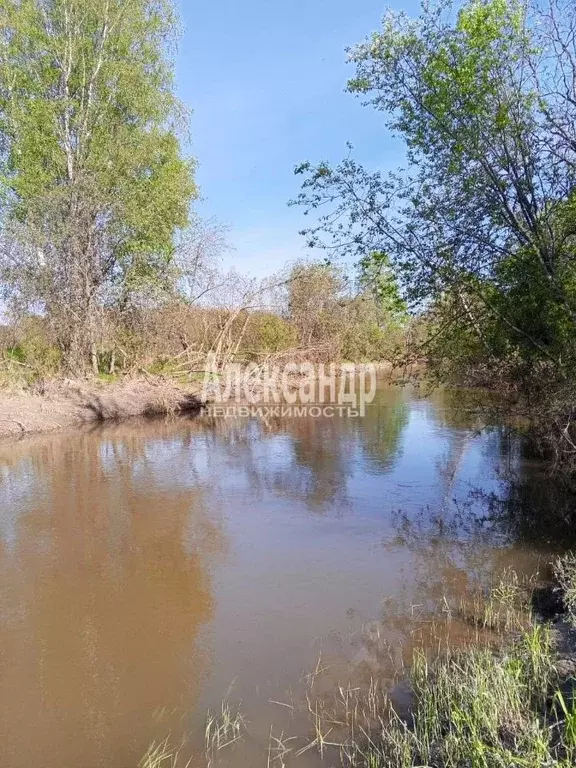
pixel 150 569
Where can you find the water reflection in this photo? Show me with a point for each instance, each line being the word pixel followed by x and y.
pixel 313 459
pixel 144 567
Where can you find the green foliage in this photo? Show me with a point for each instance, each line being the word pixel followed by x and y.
pixel 87 103
pixel 93 185
pixel 269 333
pixel 371 331
pixel 479 230
pixel 377 276
pixel 35 349
pixel 16 354
pixel 28 355
pixel 360 325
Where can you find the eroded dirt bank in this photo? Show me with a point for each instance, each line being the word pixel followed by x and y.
pixel 64 404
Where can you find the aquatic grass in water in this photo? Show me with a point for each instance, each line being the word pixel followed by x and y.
pixel 565 572
pixel 163 755
pixel 568 721
pixel 504 610
pixel 489 705
pixel 494 703
pixel 472 709
pixel 223 729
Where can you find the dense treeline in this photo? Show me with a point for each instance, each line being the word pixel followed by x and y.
pixel 310 311
pixel 481 225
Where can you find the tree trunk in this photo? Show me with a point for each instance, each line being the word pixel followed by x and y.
pixel 79 324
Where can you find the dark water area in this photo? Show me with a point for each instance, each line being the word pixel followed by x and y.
pixel 148 570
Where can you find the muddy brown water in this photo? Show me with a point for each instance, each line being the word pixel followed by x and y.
pixel 150 569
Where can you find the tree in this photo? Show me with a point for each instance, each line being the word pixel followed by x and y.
pixel 378 279
pixel 481 227
pixel 314 289
pixel 93 184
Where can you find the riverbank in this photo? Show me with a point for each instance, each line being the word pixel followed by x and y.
pixel 505 699
pixel 490 705
pixel 55 404
pixel 61 404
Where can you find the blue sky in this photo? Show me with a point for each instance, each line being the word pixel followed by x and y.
pixel 265 81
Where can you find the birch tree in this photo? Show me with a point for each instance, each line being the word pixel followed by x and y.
pixel 93 184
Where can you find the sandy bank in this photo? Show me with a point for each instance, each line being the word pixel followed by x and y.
pixel 63 404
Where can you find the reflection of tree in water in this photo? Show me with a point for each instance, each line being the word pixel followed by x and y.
pixel 443 574
pixel 381 430
pixel 463 408
pixel 531 507
pixel 305 459
pixel 534 508
pixel 104 589
pixel 311 459
pixel 320 466
pixel 466 541
pixel 459 549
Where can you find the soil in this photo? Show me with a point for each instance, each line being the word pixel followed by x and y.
pixel 62 404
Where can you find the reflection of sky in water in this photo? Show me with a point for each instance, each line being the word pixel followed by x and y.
pixel 20 486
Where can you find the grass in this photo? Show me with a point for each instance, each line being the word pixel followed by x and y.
pixel 496 702
pixel 492 704
pixel 565 571
pixel 163 755
pixel 475 708
pixel 223 729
